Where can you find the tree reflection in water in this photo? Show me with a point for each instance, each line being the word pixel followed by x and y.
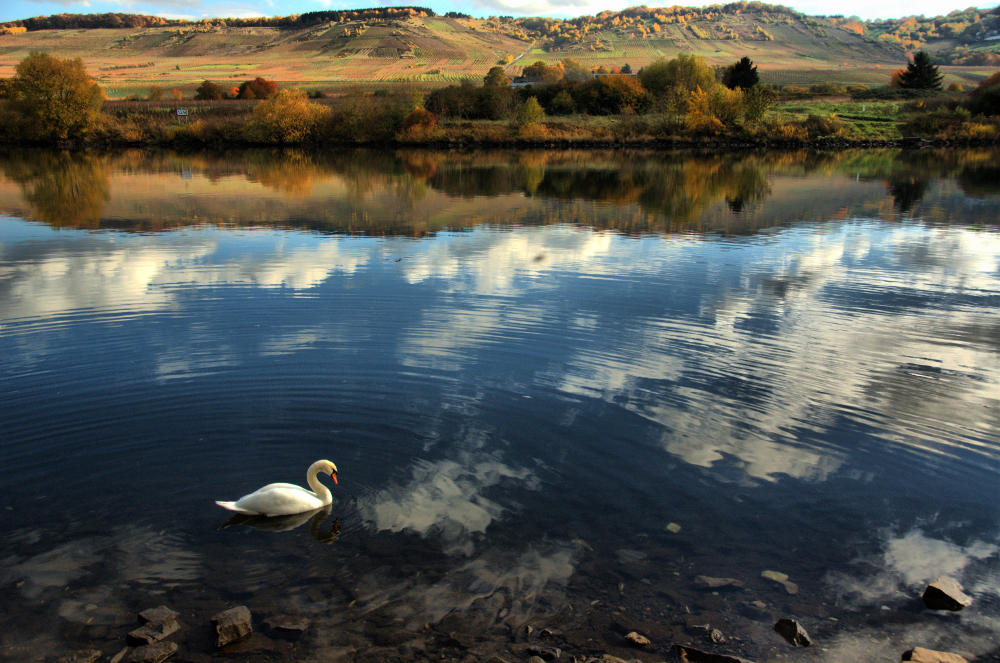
pixel 411 192
pixel 64 189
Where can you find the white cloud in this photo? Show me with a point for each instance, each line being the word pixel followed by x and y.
pixel 446 498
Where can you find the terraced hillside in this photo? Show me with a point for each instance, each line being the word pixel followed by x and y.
pixel 431 50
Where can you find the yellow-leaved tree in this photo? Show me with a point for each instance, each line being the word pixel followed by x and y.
pixel 52 98
pixel 287 118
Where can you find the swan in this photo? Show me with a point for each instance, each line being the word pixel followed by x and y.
pixel 285 499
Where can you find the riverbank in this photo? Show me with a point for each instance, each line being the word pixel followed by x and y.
pixel 369 120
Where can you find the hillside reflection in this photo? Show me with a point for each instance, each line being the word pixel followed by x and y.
pixel 416 193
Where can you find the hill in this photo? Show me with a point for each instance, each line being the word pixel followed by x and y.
pixel 127 53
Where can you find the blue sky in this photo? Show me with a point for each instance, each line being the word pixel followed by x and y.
pixel 197 9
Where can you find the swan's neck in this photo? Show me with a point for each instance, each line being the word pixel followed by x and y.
pixel 322 492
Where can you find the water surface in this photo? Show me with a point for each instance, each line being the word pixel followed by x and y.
pixel 560 387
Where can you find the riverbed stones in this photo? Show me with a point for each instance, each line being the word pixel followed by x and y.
pixel 793 632
pixel 231 625
pixel 716 583
pixel 154 653
pixel 158 623
pixel 81 656
pixel 545 653
pixel 689 654
pixel 946 594
pixel 921 655
pixel 157 615
pixel 782 579
pixel 287 622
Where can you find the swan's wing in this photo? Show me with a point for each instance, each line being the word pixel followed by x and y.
pixel 279 500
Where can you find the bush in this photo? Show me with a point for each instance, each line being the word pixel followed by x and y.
pixel 985 99
pixel 360 118
pixel 562 104
pixel 828 89
pixel 530 113
pixel 288 118
pixel 817 126
pixel 258 88
pixel 209 91
pixel 419 118
pixel 53 98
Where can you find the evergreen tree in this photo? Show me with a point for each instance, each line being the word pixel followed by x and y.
pixel 742 74
pixel 920 74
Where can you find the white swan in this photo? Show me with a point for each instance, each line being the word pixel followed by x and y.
pixel 284 499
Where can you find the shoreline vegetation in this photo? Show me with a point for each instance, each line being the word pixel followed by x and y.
pixel 680 102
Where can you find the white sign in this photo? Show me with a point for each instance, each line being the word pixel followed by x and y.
pixel 182 111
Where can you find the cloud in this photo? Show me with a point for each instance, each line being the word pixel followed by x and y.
pixel 446 498
pixel 123 278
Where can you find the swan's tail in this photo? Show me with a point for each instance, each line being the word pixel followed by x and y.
pixel 232 507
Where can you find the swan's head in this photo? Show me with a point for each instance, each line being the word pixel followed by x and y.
pixel 325 467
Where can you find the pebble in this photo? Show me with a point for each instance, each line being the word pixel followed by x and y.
pixel 782 579
pixel 637 640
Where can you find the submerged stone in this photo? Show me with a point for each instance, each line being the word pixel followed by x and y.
pixel 691 655
pixel 793 632
pixel 545 653
pixel 782 579
pixel 231 625
pixel 715 583
pixel 154 653
pixel 637 640
pixel 81 656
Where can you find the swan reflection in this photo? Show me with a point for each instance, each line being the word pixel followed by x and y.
pixel 286 523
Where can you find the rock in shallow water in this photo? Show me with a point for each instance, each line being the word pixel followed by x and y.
pixel 921 655
pixel 545 653
pixel 288 623
pixel 945 594
pixel 231 625
pixel 793 632
pixel 158 615
pixel 81 656
pixel 692 655
pixel 715 583
pixel 637 640
pixel 154 653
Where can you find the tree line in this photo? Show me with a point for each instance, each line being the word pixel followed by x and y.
pixel 55 99
pixel 120 20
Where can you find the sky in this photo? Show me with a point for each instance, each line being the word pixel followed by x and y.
pixel 197 9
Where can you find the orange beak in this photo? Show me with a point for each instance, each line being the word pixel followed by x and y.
pixel 334 476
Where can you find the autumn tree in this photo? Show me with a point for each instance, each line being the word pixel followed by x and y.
pixel 920 74
pixel 287 118
pixel 210 91
pixel 54 99
pixel 258 88
pixel 673 81
pixel 496 77
pixel 530 113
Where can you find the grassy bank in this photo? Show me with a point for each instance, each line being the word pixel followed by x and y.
pixel 370 119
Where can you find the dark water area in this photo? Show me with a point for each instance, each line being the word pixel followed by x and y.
pixel 561 388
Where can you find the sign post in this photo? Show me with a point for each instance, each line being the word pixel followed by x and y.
pixel 183 112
